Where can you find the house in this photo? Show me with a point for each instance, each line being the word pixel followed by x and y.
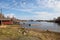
pixel 8 21
pixel 4 20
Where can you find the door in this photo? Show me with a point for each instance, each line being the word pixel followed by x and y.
pixel 0 22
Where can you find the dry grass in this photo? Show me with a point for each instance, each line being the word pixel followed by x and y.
pixel 15 33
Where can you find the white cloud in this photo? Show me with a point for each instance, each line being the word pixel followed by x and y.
pixel 54 4
pixel 45 15
pixel 19 6
pixel 4 5
pixel 10 15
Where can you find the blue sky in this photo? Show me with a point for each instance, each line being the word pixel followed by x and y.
pixel 31 9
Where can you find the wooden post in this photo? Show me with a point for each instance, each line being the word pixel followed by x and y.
pixel 1 22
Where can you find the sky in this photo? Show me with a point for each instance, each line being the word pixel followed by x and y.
pixel 31 9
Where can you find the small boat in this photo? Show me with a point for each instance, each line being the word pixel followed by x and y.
pixel 23 23
pixel 29 24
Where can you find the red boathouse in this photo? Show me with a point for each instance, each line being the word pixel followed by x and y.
pixel 4 20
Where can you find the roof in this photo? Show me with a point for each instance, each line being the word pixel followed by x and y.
pixel 5 19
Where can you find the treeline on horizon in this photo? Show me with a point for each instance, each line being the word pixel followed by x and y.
pixel 57 20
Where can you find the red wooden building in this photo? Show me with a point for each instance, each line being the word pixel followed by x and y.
pixel 5 21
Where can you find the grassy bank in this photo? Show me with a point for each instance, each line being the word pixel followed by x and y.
pixel 18 33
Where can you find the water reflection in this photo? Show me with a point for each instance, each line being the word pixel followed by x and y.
pixel 42 25
pixel 58 24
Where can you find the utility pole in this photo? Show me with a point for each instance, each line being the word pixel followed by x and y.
pixel 1 10
pixel 1 15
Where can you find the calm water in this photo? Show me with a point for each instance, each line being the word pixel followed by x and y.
pixel 42 25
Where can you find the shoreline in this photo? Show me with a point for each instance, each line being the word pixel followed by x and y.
pixel 17 32
pixel 39 30
pixel 29 29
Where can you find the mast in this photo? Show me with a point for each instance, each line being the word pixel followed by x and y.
pixel 1 15
pixel 1 11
